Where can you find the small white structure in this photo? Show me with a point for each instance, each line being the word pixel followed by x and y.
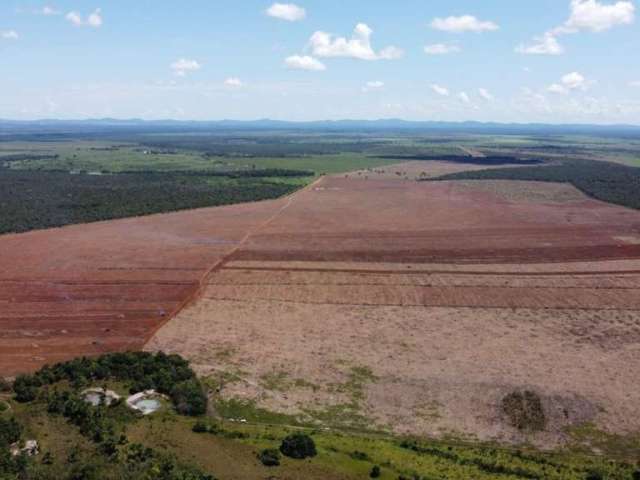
pixel 100 396
pixel 146 402
pixel 30 448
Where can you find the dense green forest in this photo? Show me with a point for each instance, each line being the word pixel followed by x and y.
pixel 40 199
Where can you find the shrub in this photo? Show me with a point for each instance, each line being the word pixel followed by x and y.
pixel 10 431
pixel 375 472
pixel 298 446
pixel 189 398
pixel 269 457
pixel 594 476
pixel 26 388
pixel 636 475
pixel 200 427
pixel 360 456
pixel 524 411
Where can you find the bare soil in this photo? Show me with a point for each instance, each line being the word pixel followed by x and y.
pixel 416 307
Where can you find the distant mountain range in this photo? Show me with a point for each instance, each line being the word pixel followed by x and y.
pixel 13 127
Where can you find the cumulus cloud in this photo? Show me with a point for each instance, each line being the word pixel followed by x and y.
pixel 287 11
pixel 373 85
pixel 464 23
pixel 94 19
pixel 464 97
pixel 440 90
pixel 304 62
pixel 569 82
pixel 358 46
pixel 9 35
pixel 590 15
pixel 598 17
pixel 441 49
pixel 184 65
pixel 234 82
pixel 485 94
pixel 546 44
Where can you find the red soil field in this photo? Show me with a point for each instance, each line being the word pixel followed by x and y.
pixel 109 286
pixel 102 287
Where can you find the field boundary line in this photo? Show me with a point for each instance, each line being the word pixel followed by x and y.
pixel 202 284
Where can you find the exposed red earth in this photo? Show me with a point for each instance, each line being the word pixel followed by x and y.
pixel 90 289
pixel 307 280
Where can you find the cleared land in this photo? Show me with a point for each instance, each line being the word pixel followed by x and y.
pixel 107 286
pixel 365 300
pixel 415 307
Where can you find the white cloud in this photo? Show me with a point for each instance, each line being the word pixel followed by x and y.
pixel 373 85
pixel 546 44
pixel 440 90
pixel 574 80
pixel 589 15
pixel 635 84
pixel 304 62
pixel 463 97
pixel 287 11
pixel 47 11
pixel 75 18
pixel 598 17
pixel 358 46
pixel 570 81
pixel 484 93
pixel 233 82
pixel 9 35
pixel 94 19
pixel 184 65
pixel 464 23
pixel 441 49
pixel 557 88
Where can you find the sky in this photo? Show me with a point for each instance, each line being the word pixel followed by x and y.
pixel 552 61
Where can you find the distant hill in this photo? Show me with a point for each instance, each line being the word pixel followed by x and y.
pixel 136 125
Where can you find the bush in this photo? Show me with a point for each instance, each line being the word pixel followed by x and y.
pixel 524 411
pixel 26 388
pixel 200 427
pixel 189 398
pixel 10 431
pixel 360 456
pixel 298 446
pixel 269 457
pixel 375 472
pixel 636 475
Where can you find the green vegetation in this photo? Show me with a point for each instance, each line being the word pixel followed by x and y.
pixel 168 374
pixel 524 411
pixel 298 446
pixel 35 200
pixel 269 457
pixel 55 180
pixel 81 441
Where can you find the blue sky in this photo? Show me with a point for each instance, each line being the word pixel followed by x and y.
pixel 553 61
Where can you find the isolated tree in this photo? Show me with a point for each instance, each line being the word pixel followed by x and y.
pixel 298 446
